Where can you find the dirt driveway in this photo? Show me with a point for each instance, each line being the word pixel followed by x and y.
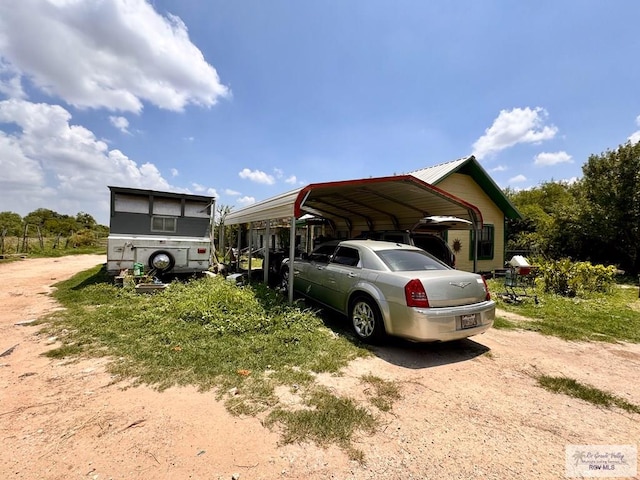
pixel 469 409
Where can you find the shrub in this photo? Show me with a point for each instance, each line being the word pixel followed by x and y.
pixel 568 278
pixel 83 238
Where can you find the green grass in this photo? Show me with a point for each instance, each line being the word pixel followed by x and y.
pixel 573 388
pixel 326 419
pixel 14 246
pixel 607 317
pixel 381 393
pixel 242 342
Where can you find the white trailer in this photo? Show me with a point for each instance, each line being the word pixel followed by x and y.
pixel 161 232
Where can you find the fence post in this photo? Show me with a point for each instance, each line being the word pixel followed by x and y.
pixel 25 241
pixel 40 238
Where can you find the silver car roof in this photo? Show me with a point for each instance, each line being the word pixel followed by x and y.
pixel 377 245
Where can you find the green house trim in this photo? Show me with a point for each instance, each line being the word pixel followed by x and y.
pixel 472 168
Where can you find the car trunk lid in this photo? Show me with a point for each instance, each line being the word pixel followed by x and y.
pixel 451 288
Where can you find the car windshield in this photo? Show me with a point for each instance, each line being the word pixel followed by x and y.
pixel 400 260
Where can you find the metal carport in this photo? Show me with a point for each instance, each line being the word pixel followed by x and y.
pixel 382 203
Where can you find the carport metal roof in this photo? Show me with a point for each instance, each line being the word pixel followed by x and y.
pixel 381 203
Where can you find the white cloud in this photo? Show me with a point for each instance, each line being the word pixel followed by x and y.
pixel 546 158
pixel 202 190
pixel 244 201
pixel 569 181
pixel 511 127
pixel 517 179
pixel 174 172
pixel 291 180
pixel 49 162
pixel 499 168
pixel 114 54
pixel 231 193
pixel 121 123
pixel 278 172
pixel 635 136
pixel 10 82
pixel 257 176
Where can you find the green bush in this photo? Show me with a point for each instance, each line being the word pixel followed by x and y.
pixel 83 238
pixel 570 279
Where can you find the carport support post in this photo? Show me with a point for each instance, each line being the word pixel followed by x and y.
pixel 265 257
pixel 239 247
pixel 250 248
pixel 292 255
pixel 476 232
pixel 475 252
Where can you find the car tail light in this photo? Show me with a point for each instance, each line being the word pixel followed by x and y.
pixel 486 289
pixel 202 250
pixel 415 294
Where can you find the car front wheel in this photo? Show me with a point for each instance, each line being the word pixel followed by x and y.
pixel 366 320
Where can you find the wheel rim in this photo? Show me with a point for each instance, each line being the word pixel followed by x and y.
pixel 364 320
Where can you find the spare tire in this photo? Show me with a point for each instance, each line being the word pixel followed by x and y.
pixel 162 261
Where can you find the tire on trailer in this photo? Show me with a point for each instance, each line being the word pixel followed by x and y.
pixel 366 319
pixel 161 261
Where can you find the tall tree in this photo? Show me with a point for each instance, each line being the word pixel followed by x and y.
pixel 10 223
pixel 550 220
pixel 84 220
pixel 611 192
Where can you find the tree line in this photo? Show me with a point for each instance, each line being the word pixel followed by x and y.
pixel 49 223
pixel 595 219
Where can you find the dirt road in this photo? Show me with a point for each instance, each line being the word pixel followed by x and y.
pixel 469 410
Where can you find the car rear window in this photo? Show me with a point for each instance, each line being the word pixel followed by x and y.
pixel 409 260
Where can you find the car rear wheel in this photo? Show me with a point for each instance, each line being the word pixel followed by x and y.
pixel 366 319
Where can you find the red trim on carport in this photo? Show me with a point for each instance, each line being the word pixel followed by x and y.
pixel 302 194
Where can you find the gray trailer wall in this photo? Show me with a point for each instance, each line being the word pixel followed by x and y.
pixel 140 224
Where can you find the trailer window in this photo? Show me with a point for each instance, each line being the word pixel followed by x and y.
pixel 163 224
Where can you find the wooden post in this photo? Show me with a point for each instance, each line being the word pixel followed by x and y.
pixel 25 242
pixel 40 239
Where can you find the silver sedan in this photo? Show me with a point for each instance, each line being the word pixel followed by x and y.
pixel 396 289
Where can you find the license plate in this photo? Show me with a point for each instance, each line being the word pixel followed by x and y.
pixel 469 321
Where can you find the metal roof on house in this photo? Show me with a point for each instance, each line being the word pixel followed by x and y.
pixel 395 202
pixel 437 173
pixel 469 166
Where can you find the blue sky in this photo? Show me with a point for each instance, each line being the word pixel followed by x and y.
pixel 244 100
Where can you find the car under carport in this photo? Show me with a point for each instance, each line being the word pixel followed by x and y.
pixel 380 203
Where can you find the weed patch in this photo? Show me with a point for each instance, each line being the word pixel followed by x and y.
pixel 241 342
pixel 607 317
pixel 573 388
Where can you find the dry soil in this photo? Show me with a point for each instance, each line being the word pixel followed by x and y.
pixel 469 409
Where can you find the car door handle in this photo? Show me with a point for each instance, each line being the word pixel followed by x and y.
pixel 353 275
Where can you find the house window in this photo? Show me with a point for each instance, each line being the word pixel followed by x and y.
pixel 485 243
pixel 163 224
